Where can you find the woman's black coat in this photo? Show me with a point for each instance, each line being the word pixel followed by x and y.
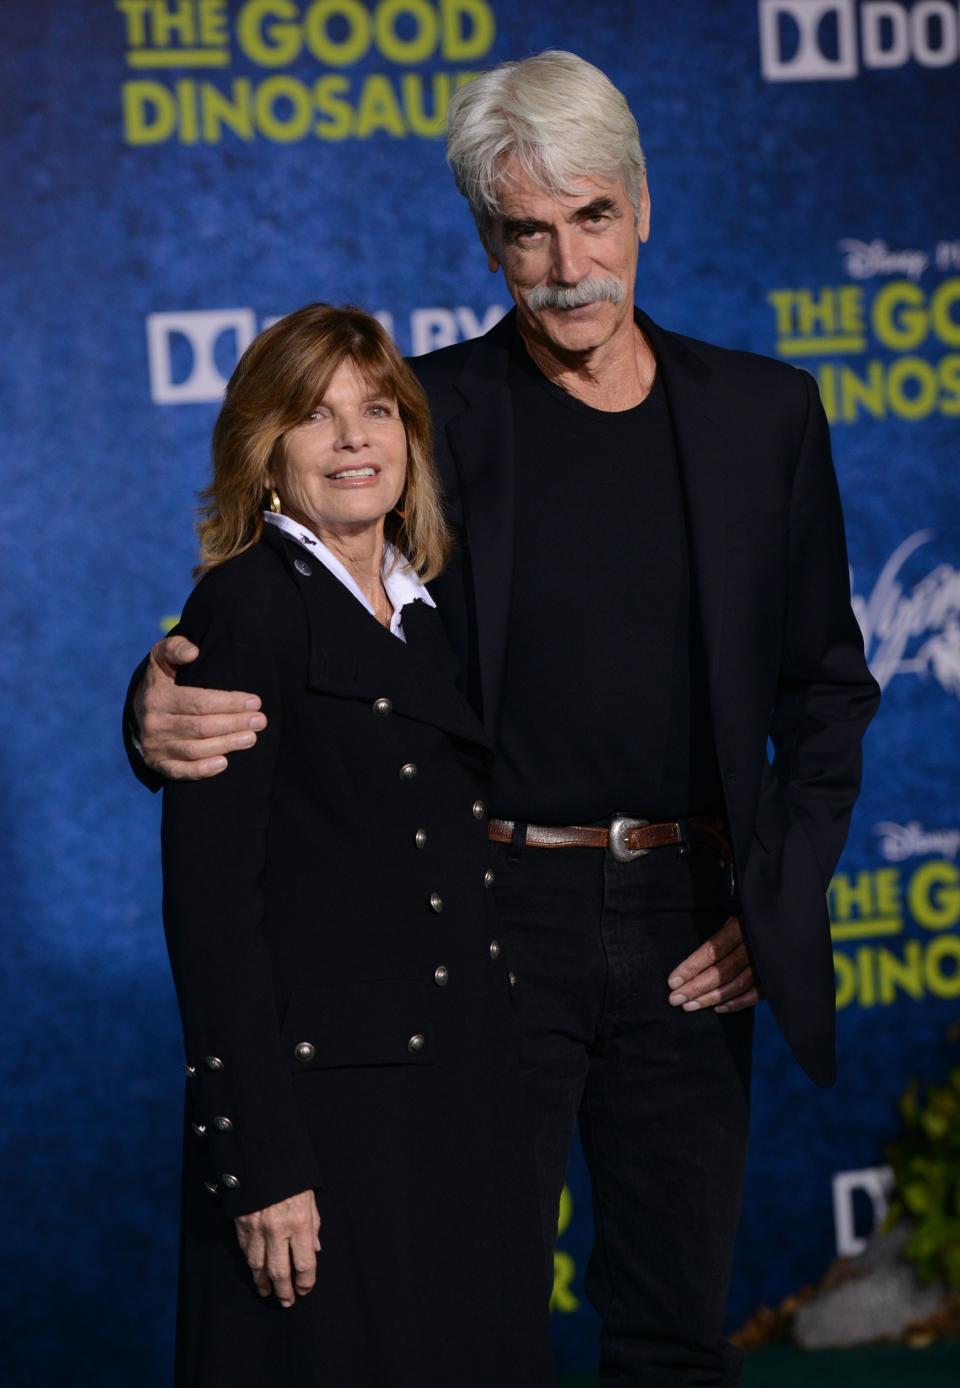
pixel 347 1009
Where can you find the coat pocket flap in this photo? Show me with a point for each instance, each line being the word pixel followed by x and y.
pixel 372 1022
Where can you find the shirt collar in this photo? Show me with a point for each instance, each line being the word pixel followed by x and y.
pixel 400 582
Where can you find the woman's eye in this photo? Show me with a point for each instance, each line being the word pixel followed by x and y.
pixel 379 411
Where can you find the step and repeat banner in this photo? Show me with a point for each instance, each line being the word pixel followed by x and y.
pixel 181 172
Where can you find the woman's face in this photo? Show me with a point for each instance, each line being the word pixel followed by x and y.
pixel 345 466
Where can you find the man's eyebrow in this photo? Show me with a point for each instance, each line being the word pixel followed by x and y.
pixel 598 206
pixel 511 225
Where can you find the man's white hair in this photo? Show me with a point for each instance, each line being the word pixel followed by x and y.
pixel 557 115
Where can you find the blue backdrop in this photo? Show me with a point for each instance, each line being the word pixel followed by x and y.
pixel 178 172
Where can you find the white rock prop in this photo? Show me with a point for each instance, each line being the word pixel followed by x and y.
pixel 873 1297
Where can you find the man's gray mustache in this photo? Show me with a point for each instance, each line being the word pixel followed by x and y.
pixel 588 291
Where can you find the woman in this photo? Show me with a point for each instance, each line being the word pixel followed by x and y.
pixel 358 1207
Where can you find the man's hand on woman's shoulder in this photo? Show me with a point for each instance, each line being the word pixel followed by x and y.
pixel 185 734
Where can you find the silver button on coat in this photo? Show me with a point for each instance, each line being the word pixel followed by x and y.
pixel 441 975
pixel 190 1071
pixel 199 1129
pixel 213 1062
pixel 488 878
pixel 416 1042
pixel 407 771
pixel 302 567
pixel 382 707
pixel 479 809
pixel 223 1124
pixel 420 838
pixel 513 979
pixel 436 902
pixel 211 1187
pixel 494 949
pixel 305 1051
pixel 229 1182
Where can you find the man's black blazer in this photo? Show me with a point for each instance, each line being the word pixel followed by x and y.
pixel 784 652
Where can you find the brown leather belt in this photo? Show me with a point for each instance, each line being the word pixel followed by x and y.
pixel 623 838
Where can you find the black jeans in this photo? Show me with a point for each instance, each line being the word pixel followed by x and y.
pixel 662 1096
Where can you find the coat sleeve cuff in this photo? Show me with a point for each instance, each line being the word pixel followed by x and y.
pixel 261 1191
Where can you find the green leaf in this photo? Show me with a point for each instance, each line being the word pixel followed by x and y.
pixel 932 1238
pixel 917 1197
pixel 924 1242
pixel 895 1212
pixel 944 1101
pixel 935 1125
pixel 909 1108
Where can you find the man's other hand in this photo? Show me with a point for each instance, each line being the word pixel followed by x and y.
pixel 185 734
pixel 719 974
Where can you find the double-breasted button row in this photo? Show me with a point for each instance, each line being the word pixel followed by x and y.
pixel 228 1181
pixel 222 1124
pixel 212 1062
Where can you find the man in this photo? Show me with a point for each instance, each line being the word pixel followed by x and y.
pixel 651 580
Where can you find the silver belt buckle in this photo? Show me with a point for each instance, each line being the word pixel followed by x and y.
pixel 617 845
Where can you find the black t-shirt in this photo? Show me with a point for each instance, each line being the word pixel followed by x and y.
pixel 605 701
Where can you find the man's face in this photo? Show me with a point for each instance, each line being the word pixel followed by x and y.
pixel 544 244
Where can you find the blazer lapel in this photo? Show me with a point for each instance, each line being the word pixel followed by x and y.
pixel 702 455
pixel 434 694
pixel 353 657
pixel 481 444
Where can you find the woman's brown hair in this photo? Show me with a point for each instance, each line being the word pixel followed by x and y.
pixel 280 378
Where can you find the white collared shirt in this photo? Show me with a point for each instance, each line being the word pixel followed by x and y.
pixel 399 580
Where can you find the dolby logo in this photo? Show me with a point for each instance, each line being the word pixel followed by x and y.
pixel 835 40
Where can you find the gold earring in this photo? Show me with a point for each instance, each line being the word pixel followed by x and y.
pixel 274 502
